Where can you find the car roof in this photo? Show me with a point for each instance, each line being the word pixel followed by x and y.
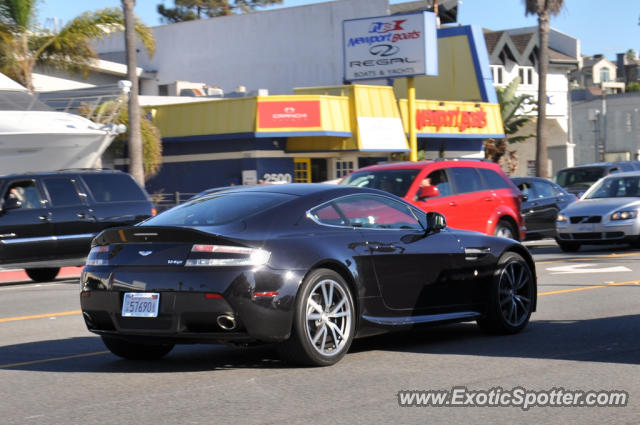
pixel 418 165
pixel 634 173
pixel 66 171
pixel 297 189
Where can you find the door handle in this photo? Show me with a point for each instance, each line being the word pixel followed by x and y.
pixel 44 218
pixel 453 204
pixel 488 199
pixel 81 215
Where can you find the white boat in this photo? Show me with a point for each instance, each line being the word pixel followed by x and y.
pixel 46 140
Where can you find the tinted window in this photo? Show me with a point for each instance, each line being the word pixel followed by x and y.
pixel 218 209
pixel 113 187
pixel 440 180
pixel 465 179
pixel 376 212
pixel 392 181
pixel 26 192
pixel 579 177
pixel 542 189
pixel 329 215
pixel 62 192
pixel 492 179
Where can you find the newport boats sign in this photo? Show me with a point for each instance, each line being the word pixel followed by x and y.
pixel 390 46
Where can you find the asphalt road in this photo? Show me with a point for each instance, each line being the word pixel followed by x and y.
pixel 585 336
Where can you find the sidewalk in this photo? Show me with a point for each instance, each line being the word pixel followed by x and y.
pixel 21 276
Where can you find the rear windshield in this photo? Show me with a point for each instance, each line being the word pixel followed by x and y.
pixel 218 209
pixel 580 177
pixel 113 188
pixel 392 181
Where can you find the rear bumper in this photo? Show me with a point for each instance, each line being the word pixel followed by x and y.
pixel 185 314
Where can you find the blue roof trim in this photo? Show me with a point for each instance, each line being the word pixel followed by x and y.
pixel 245 136
pixel 304 134
pixel 460 136
pixel 451 145
pixel 480 57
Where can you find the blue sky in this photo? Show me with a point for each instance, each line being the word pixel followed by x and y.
pixel 607 27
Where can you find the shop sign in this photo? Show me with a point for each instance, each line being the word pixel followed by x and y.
pixel 285 114
pixel 390 46
pixel 451 118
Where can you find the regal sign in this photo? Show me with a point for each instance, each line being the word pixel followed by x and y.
pixel 390 46
pixel 284 114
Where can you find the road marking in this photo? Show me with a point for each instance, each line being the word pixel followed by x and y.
pixel 613 255
pixel 52 359
pixel 584 268
pixel 40 316
pixel 585 288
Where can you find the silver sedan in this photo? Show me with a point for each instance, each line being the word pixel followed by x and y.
pixel 607 213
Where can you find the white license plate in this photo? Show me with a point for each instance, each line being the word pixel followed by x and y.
pixel 585 228
pixel 140 304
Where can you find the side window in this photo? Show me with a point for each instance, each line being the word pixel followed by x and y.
pixel 26 192
pixel 328 215
pixel 465 179
pixel 376 212
pixel 492 179
pixel 439 179
pixel 543 190
pixel 526 189
pixel 113 187
pixel 62 191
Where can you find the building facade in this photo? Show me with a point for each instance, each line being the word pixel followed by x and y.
pixel 514 53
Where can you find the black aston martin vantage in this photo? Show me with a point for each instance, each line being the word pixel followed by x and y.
pixel 307 266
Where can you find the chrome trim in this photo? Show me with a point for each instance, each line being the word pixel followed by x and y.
pixel 8 235
pixel 412 320
pixel 145 234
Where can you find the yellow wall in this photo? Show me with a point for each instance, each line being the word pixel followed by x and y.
pixel 456 78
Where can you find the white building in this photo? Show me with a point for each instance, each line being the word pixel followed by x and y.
pixel 513 53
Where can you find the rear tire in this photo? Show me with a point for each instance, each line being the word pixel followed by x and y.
pixel 135 351
pixel 569 246
pixel 42 275
pixel 511 296
pixel 504 229
pixel 323 323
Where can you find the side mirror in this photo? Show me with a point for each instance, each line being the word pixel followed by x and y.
pixel 428 192
pixel 11 204
pixel 435 222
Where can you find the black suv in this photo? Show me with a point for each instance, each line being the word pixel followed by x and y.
pixel 47 220
pixel 578 179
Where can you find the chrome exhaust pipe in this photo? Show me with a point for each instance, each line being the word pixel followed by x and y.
pixel 227 322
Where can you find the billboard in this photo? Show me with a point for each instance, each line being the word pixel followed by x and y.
pixel 390 46
pixel 288 114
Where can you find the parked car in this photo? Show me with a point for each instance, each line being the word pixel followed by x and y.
pixel 606 214
pixel 47 220
pixel 542 200
pixel 578 179
pixel 308 266
pixel 472 195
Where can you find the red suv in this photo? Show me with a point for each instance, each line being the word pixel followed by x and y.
pixel 472 195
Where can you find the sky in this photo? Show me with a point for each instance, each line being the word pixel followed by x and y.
pixel 606 27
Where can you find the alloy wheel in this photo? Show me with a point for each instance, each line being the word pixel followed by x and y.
pixel 328 317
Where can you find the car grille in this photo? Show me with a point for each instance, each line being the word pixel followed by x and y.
pixel 591 236
pixel 586 219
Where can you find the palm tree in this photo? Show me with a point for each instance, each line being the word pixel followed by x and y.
pixel 544 9
pixel 23 44
pixel 136 168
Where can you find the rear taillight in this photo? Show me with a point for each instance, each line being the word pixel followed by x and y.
pixel 98 256
pixel 226 255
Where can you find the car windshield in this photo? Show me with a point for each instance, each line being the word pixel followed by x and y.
pixel 392 181
pixel 615 187
pixel 579 177
pixel 218 209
